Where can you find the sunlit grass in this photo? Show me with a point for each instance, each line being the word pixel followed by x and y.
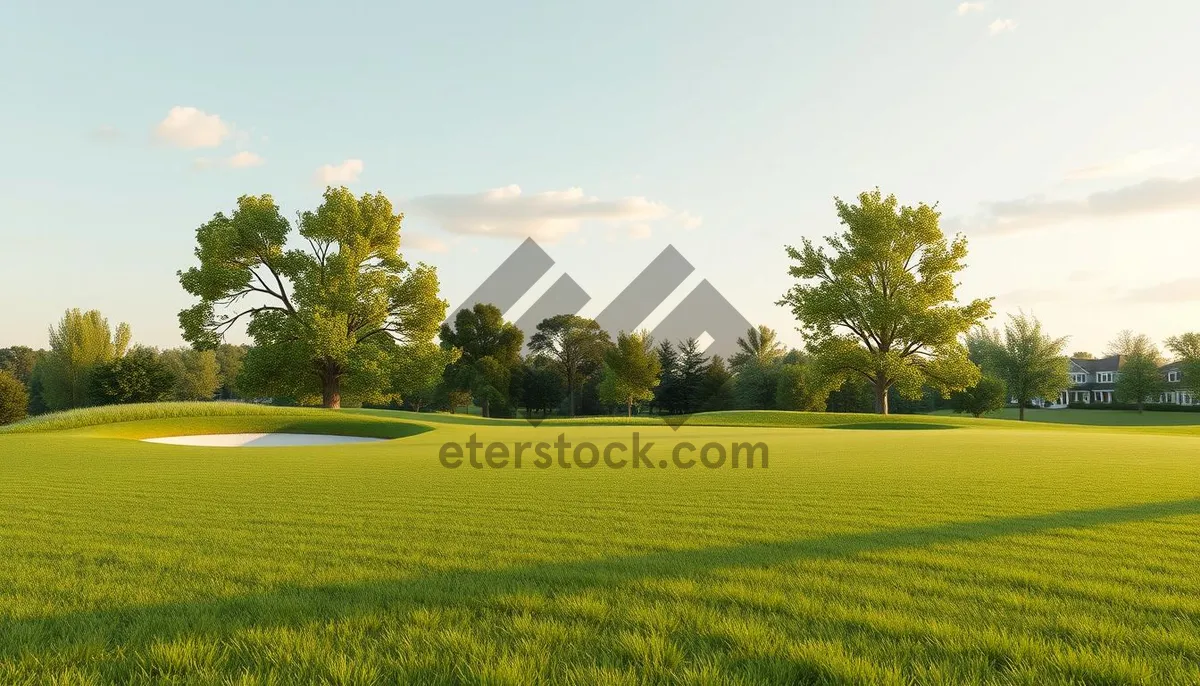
pixel 973 555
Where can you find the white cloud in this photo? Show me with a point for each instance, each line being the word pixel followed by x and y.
pixel 1147 197
pixel 1182 290
pixel 639 231
pixel 546 216
pixel 239 160
pixel 968 7
pixel 346 172
pixel 1134 163
pixel 245 159
pixel 418 241
pixel 190 128
pixel 1001 25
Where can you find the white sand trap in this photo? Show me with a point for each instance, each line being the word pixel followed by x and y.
pixel 260 440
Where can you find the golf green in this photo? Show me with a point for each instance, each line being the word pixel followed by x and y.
pixel 985 552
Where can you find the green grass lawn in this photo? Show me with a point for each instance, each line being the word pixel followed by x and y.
pixel 1097 417
pixel 986 552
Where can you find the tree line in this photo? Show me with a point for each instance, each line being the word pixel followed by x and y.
pixel 337 316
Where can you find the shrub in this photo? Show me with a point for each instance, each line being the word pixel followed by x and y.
pixel 14 399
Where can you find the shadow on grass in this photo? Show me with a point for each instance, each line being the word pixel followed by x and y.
pixel 135 628
pixel 891 426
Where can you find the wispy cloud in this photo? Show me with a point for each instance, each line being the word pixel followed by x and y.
pixel 190 128
pixel 1001 26
pixel 239 160
pixel 1147 197
pixel 1182 290
pixel 1132 164
pixel 346 172
pixel 965 8
pixel 548 215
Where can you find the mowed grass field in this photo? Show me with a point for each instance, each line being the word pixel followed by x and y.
pixel 980 552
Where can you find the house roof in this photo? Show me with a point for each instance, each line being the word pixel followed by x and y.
pixel 1105 364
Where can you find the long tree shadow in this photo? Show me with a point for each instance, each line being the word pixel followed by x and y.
pixel 135 627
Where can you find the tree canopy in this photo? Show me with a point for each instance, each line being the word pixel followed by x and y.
pixel 881 305
pixel 1029 362
pixel 1186 348
pixel 14 398
pixel 490 349
pixel 631 370
pixel 78 344
pixel 575 344
pixel 760 345
pixel 326 319
pixel 1139 378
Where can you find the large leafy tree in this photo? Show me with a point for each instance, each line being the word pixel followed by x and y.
pixel 881 305
pixel 631 370
pixel 78 344
pixel 1186 348
pixel 328 319
pixel 490 349
pixel 537 385
pixel 229 365
pixel 575 345
pixel 1028 361
pixel 1139 377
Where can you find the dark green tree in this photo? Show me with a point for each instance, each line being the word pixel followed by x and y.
pixel 138 377
pixel 490 349
pixel 20 361
pixel 1186 349
pixel 575 345
pixel 882 306
pixel 988 395
pixel 325 321
pixel 14 398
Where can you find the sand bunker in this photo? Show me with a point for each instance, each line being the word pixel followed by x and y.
pixel 260 440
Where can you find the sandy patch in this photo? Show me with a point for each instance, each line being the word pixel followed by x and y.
pixel 273 440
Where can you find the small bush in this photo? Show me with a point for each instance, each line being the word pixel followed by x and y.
pixel 14 399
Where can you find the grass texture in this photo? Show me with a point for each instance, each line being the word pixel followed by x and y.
pixel 990 553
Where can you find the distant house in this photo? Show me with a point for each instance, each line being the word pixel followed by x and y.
pixel 1095 382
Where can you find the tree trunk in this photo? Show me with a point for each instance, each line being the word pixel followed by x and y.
pixel 570 396
pixel 331 391
pixel 881 398
pixel 486 407
pixel 629 407
pixel 1021 410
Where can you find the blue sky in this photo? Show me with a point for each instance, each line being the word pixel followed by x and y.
pixel 1061 137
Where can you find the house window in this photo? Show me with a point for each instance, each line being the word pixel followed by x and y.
pixel 1077 378
pixel 1185 398
pixel 1104 377
pixel 1172 376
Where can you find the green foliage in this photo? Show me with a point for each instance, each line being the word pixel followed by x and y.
pixel 78 343
pixel 1186 348
pixel 229 365
pixel 1029 362
pixel 538 386
pixel 882 305
pixel 576 346
pixel 138 377
pixel 988 395
pixel 717 388
pixel 800 386
pixel 196 373
pixel 489 350
pixel 353 299
pixel 1139 378
pixel 418 370
pixel 759 346
pixel 1082 355
pixel 20 362
pixel 14 398
pixel 631 370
